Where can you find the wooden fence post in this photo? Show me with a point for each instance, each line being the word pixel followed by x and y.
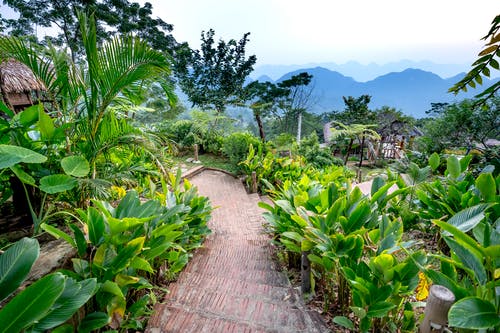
pixel 254 182
pixel 196 152
pixel 305 273
pixel 436 311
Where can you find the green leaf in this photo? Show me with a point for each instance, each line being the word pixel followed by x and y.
pixel 486 185
pixel 469 258
pixel 57 183
pixel 31 304
pixel 80 241
pixel 473 313
pixel 95 224
pixel 379 309
pixel 434 161
pixel 142 264
pixel 12 155
pixel 15 264
pixel 344 322
pixel 76 166
pixel 112 288
pixel 45 125
pixel 74 296
pixel 453 166
pixel 468 218
pixel 22 175
pixel 93 322
pixel 58 233
pixel 29 116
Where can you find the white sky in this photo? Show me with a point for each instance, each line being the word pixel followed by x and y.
pixel 299 32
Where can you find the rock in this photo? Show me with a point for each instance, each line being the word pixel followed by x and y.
pixel 53 255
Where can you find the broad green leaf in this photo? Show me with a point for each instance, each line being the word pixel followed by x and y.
pixel 57 183
pixel 10 153
pixel 95 224
pixel 93 322
pixel 473 313
pixel 15 264
pixel 112 288
pixel 76 166
pixel 486 185
pixel 22 175
pixel 293 235
pixel 80 241
pixel 459 235
pixel 468 218
pixel 74 296
pixel 57 233
pixel 379 309
pixel 344 322
pixel 29 116
pixel 31 304
pixel 434 161
pixel 142 264
pixel 45 125
pixel 469 258
pixel 453 166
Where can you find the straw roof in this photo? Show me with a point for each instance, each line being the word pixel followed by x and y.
pixel 16 77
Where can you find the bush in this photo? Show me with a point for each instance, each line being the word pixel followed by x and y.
pixel 185 133
pixel 236 146
pixel 314 154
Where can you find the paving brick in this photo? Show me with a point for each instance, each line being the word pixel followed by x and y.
pixel 233 283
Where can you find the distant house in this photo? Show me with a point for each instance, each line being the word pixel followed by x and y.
pixel 19 87
pixel 395 138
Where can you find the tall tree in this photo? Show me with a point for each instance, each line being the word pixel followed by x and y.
pixel 262 99
pixel 463 124
pixel 112 17
pixel 356 111
pixel 299 97
pixel 213 77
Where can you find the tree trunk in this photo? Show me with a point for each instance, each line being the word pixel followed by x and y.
pixel 348 151
pixel 299 128
pixel 258 119
pixel 361 154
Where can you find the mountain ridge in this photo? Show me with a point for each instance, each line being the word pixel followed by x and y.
pixel 411 90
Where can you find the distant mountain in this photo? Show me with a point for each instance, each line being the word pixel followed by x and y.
pixel 412 90
pixel 363 73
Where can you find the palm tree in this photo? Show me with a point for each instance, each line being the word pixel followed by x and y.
pixel 85 93
pixel 361 132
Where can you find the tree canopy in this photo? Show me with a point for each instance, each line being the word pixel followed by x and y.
pixel 213 77
pixel 112 17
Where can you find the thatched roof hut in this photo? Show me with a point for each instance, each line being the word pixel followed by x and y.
pixel 18 85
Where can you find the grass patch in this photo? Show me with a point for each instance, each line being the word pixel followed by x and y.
pixel 208 160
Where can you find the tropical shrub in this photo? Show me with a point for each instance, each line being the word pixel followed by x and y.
pixel 46 304
pixel 237 145
pixel 124 246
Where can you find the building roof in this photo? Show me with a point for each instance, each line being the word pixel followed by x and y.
pixel 15 77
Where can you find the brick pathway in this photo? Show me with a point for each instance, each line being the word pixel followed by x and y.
pixel 233 284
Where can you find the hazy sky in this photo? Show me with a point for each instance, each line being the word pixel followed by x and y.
pixel 298 32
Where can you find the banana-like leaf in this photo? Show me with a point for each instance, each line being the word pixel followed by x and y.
pixel 15 264
pixel 12 155
pixel 74 296
pixel 486 185
pixel 32 304
pixel 93 322
pixel 473 313
pixel 469 257
pixel 468 218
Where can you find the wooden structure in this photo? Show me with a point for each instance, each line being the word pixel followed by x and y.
pixel 19 87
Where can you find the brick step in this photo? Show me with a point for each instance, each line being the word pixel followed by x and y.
pixel 245 313
pixel 272 278
pixel 199 283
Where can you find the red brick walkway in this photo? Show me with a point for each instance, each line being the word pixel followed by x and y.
pixel 233 284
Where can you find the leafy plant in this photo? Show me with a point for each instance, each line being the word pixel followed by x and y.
pixel 47 303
